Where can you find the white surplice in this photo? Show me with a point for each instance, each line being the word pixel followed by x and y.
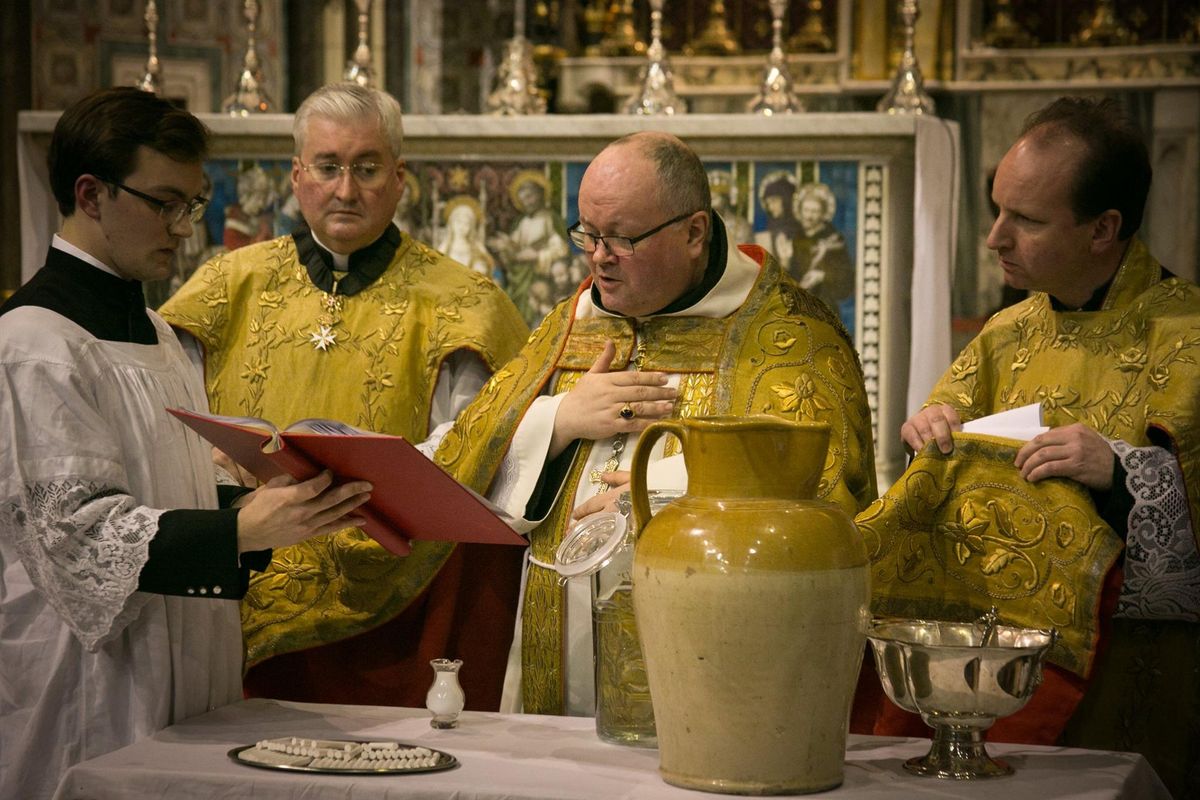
pixel 89 458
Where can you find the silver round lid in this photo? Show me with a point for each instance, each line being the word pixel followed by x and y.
pixel 591 544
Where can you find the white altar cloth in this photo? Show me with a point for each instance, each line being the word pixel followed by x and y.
pixel 526 757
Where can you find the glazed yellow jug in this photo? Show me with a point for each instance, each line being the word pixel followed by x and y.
pixel 752 602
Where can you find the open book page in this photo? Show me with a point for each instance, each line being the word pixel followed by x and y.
pixel 253 423
pixel 242 422
pixel 1022 423
pixel 330 427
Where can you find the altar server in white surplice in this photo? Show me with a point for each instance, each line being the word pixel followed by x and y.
pixel 117 565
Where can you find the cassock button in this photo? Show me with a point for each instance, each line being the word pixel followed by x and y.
pixel 191 590
pixel 216 590
pixel 203 590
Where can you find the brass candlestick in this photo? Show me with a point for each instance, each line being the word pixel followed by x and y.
pixel 595 17
pixel 1104 30
pixel 249 97
pixel 715 39
pixel 1004 30
pixel 657 95
pixel 907 94
pixel 151 80
pixel 621 39
pixel 775 95
pixel 358 69
pixel 812 36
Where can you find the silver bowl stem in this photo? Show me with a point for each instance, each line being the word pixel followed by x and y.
pixel 957 752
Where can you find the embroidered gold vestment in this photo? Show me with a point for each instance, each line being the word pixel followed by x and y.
pixel 783 353
pixel 255 310
pixel 959 533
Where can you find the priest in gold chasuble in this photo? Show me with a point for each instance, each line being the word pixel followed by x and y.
pixel 1089 527
pixel 673 322
pixel 349 319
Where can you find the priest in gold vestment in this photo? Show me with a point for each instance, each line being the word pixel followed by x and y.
pixel 673 322
pixel 1089 527
pixel 349 319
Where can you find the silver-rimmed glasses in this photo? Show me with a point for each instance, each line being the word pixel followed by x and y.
pixel 367 174
pixel 617 245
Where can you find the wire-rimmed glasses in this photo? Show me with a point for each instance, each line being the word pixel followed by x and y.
pixel 617 245
pixel 170 211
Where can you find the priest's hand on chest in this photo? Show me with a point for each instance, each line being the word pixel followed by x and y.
pixel 603 403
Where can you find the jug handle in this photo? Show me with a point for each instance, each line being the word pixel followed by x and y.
pixel 641 459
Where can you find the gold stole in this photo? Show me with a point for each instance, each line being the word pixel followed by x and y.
pixel 687 346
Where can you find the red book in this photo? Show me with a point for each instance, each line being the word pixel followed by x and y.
pixel 413 498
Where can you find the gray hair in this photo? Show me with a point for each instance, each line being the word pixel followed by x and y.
pixel 348 102
pixel 682 180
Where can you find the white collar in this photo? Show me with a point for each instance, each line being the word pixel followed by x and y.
pixel 726 297
pixel 59 243
pixel 341 261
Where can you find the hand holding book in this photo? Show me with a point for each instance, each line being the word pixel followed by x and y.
pixel 283 512
pixel 412 497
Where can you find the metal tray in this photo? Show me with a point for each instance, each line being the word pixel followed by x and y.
pixel 444 761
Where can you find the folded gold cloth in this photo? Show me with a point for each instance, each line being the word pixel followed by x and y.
pixel 959 533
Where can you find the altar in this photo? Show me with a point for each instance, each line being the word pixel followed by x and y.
pixel 528 757
pixel 882 190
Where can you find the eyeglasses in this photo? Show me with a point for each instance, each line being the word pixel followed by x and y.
pixel 366 174
pixel 617 245
pixel 170 211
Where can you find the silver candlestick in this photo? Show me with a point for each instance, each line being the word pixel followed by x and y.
pixel 151 80
pixel 249 97
pixel 657 95
pixel 358 69
pixel 775 95
pixel 907 94
pixel 516 91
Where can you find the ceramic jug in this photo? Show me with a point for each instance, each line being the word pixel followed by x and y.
pixel 752 600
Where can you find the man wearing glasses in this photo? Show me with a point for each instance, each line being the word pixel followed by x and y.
pixel 114 554
pixel 674 322
pixel 347 318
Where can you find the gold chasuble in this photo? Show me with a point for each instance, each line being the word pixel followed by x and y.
pixel 963 532
pixel 782 353
pixel 278 347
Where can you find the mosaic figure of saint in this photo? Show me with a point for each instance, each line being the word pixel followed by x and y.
pixel 463 235
pixel 776 194
pixel 820 261
pixel 251 218
pixel 537 240
pixel 405 218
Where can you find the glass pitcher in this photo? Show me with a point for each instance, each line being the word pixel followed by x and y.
pixel 601 546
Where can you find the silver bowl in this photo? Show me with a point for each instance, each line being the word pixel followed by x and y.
pixel 960 677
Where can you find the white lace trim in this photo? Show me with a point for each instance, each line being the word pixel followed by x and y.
pixel 83 544
pixel 1162 564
